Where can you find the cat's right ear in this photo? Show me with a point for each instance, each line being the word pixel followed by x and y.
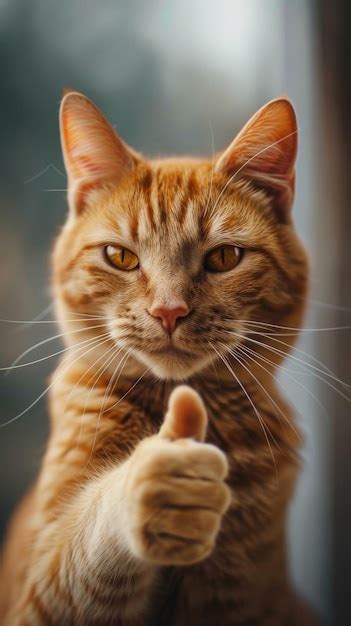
pixel 94 156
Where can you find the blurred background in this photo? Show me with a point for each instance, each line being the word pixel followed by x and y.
pixel 177 77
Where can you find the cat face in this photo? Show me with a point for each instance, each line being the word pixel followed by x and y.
pixel 173 257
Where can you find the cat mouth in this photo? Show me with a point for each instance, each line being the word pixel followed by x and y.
pixel 170 362
pixel 171 351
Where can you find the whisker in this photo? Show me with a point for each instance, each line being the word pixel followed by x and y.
pixel 36 321
pixel 285 371
pixel 273 402
pixel 230 180
pixel 129 390
pixel 296 328
pixel 213 365
pixel 47 389
pixel 49 356
pixel 42 172
pixel 85 372
pixel 112 382
pixel 37 318
pixel 91 315
pixel 294 358
pixel 259 417
pixel 101 371
pixel 47 340
pixel 120 367
pixel 327 305
pixel 279 352
pixel 115 378
pixel 303 352
pixel 212 172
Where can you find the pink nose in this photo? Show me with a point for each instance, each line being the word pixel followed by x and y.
pixel 169 315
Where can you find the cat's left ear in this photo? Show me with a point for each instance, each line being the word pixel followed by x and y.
pixel 94 155
pixel 265 152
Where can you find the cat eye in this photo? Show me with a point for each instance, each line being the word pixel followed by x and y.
pixel 121 258
pixel 223 258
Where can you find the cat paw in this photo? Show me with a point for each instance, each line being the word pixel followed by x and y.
pixel 176 490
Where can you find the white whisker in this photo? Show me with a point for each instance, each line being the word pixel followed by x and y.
pixel 50 356
pixel 313 370
pixel 259 417
pixel 47 340
pixel 295 328
pixel 212 172
pixel 85 372
pixel 101 371
pixel 47 389
pixel 36 321
pixel 130 389
pixel 327 305
pixel 273 402
pixel 230 180
pixel 285 370
pixel 42 172
pixel 37 318
pixel 300 351
pixel 285 354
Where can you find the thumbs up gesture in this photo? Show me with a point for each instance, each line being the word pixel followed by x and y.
pixel 176 494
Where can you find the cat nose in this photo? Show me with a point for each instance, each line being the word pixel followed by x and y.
pixel 169 315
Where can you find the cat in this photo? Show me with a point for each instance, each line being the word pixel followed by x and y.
pixel 179 285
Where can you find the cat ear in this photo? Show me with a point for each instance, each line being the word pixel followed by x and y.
pixel 93 154
pixel 265 152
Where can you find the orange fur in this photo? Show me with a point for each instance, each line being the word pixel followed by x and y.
pixel 143 516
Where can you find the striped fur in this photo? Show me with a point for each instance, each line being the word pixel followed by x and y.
pixel 131 523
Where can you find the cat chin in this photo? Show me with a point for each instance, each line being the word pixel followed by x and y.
pixel 172 367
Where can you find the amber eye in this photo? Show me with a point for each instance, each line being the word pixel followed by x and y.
pixel 121 258
pixel 223 258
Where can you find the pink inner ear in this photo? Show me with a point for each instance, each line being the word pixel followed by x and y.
pixel 93 152
pixel 84 163
pixel 265 151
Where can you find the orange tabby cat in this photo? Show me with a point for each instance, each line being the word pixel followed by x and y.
pixel 158 504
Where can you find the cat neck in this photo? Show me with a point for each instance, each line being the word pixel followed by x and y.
pixel 227 387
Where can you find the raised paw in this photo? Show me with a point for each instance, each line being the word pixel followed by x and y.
pixel 176 491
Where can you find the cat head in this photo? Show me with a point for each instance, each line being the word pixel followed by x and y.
pixel 170 260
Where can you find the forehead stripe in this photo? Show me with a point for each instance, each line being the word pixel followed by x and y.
pixel 191 191
pixel 161 196
pixel 148 198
